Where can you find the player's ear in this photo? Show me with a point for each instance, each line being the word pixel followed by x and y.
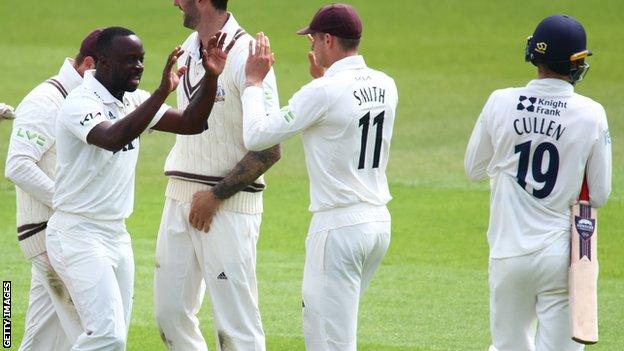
pixel 89 63
pixel 330 40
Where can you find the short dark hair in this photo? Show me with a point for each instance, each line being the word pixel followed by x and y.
pixel 348 44
pixel 219 4
pixel 79 59
pixel 107 36
pixel 562 68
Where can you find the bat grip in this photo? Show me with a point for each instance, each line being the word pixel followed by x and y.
pixel 584 195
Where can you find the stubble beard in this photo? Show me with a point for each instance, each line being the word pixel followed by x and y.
pixel 190 22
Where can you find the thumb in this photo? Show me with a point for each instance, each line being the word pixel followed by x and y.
pixel 312 58
pixel 181 71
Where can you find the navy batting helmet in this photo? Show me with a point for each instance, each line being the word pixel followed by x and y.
pixel 558 42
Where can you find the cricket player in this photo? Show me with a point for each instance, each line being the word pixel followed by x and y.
pixel 51 320
pixel 536 143
pixel 97 138
pixel 211 218
pixel 345 118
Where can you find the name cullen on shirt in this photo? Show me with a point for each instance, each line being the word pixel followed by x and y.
pixel 537 125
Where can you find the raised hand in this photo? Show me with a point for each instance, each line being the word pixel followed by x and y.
pixel 213 55
pixel 259 60
pixel 316 70
pixel 171 77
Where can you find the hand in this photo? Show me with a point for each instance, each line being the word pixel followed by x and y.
pixel 203 208
pixel 213 55
pixel 316 70
pixel 6 112
pixel 259 61
pixel 171 78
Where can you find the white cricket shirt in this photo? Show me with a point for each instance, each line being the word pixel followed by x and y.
pixel 91 181
pixel 535 143
pixel 31 156
pixel 346 119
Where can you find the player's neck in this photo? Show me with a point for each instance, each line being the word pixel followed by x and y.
pixel 339 55
pixel 544 73
pixel 211 24
pixel 108 84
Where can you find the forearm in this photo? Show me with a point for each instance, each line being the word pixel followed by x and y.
pixel 198 110
pixel 122 132
pixel 246 171
pixel 24 173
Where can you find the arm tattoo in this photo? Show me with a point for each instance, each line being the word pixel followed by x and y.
pixel 246 171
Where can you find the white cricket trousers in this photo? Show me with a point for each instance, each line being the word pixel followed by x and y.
pixel 529 301
pixel 339 266
pixel 51 319
pixel 224 261
pixel 95 261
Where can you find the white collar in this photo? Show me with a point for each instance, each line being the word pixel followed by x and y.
pixel 98 89
pixel 68 75
pixel 347 63
pixel 552 86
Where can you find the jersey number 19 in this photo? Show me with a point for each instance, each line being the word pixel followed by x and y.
pixel 548 177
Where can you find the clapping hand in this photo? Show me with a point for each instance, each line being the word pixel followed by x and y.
pixel 259 60
pixel 213 55
pixel 171 78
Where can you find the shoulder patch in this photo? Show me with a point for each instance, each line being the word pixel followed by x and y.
pixel 607 137
pixel 31 136
pixel 287 114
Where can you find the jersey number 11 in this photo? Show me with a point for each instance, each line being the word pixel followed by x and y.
pixel 364 123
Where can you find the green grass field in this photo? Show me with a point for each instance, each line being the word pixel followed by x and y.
pixel 446 56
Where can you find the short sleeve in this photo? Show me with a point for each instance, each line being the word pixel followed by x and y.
pixel 81 115
pixel 161 112
pixel 141 96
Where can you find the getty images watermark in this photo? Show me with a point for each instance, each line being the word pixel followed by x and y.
pixel 6 314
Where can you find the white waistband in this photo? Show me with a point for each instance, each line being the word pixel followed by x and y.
pixel 346 216
pixel 62 219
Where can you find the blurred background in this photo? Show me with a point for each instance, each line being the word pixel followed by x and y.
pixel 446 57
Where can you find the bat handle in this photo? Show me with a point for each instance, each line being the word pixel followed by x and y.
pixel 584 195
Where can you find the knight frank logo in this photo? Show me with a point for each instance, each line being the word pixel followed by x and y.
pixel 6 314
pixel 543 106
pixel 526 103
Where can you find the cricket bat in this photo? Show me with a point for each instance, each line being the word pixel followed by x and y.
pixel 583 272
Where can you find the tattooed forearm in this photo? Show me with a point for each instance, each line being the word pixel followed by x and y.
pixel 246 171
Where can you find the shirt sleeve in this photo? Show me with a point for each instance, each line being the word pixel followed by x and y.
pixel 480 149
pixel 262 130
pixel 32 137
pixel 599 165
pixel 142 96
pixel 80 116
